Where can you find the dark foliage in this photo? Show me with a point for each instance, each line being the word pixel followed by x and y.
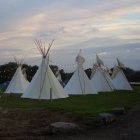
pixel 7 71
pixel 133 76
pixel 65 76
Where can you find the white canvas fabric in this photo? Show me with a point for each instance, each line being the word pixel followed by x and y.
pixel 80 59
pixel 119 80
pixel 120 64
pixel 109 80
pixel 99 61
pixel 101 81
pixel 79 82
pixel 42 82
pixel 95 66
pixel 58 76
pixel 18 84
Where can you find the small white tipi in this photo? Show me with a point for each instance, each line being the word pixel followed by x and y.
pixel 18 84
pixel 99 77
pixel 118 77
pixel 58 75
pixel 59 78
pixel 44 84
pixel 79 82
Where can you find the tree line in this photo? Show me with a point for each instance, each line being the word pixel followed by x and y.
pixel 7 71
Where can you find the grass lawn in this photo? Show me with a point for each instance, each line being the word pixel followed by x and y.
pixel 89 105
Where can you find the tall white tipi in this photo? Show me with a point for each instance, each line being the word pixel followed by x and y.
pixel 18 84
pixel 99 77
pixel 79 82
pixel 118 77
pixel 44 84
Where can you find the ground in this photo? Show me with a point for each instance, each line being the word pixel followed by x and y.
pixel 23 119
pixel 18 125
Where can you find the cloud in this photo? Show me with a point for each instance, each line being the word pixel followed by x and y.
pixel 104 53
pixel 74 24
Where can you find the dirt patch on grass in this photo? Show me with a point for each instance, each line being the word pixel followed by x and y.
pixel 17 125
pixel 14 123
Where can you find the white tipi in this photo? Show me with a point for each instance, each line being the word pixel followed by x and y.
pixel 44 84
pixel 59 78
pixel 18 84
pixel 118 77
pixel 58 75
pixel 79 82
pixel 99 78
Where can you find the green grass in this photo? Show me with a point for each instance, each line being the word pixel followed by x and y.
pixel 89 105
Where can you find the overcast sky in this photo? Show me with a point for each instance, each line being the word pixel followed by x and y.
pixel 110 28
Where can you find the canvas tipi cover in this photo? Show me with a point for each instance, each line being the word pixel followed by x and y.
pixel 109 79
pixel 44 81
pixel 101 80
pixel 119 79
pixel 58 75
pixel 18 84
pixel 59 78
pixel 79 82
